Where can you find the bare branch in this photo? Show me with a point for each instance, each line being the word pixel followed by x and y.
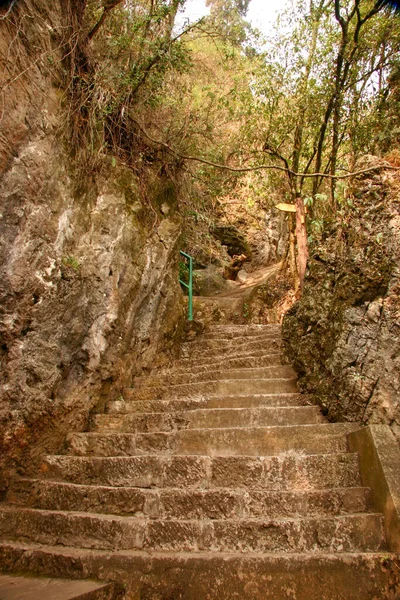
pixel 107 8
pixel 275 152
pixel 9 10
pixel 210 163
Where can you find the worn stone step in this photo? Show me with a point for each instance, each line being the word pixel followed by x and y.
pixel 223 341
pixel 234 362
pixel 191 576
pixel 221 388
pixel 274 371
pixel 188 404
pixel 204 360
pixel 213 309
pixel 289 471
pixel 220 348
pixel 210 418
pixel 253 441
pixel 241 331
pixel 175 503
pixel 345 533
pixel 31 588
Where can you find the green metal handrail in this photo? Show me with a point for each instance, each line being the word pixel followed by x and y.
pixel 189 286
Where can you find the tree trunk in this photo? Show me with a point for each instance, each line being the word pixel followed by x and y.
pixel 301 237
pixel 292 255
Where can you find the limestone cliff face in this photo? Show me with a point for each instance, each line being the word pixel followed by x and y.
pixel 88 285
pixel 343 336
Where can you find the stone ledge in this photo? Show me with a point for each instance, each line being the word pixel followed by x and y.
pixel 192 576
pixel 32 588
pixel 380 470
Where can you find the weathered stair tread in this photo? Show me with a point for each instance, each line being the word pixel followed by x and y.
pixel 214 349
pixel 250 576
pixel 219 346
pixel 243 327
pixel 186 404
pixel 181 504
pixel 220 339
pixel 32 588
pixel 19 546
pixel 292 471
pixel 234 362
pixel 245 354
pixel 259 441
pixel 212 479
pixel 228 332
pixel 210 418
pixel 272 385
pixel 362 531
pixel 276 371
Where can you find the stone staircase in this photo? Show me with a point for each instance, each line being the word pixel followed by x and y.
pixel 213 480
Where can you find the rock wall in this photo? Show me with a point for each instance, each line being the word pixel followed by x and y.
pixel 271 241
pixel 343 336
pixel 88 288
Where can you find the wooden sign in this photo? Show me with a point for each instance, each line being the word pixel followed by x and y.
pixel 286 207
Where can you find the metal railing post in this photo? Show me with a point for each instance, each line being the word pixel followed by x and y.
pixel 190 289
pixel 189 286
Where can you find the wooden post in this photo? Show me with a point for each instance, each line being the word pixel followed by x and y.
pixel 301 236
pixel 292 254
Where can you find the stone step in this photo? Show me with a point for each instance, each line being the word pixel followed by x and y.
pixel 226 402
pixel 182 504
pixel 345 533
pixel 286 472
pixel 247 362
pixel 32 588
pixel 220 348
pixel 210 310
pixel 224 339
pixel 270 372
pixel 192 576
pixel 210 418
pixel 213 388
pixel 203 360
pixel 241 331
pixel 252 441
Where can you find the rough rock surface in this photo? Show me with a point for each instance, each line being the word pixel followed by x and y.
pixel 343 336
pixel 269 302
pixel 233 239
pixel 271 241
pixel 86 273
pixel 209 281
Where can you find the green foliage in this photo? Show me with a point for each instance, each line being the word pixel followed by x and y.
pixel 128 56
pixel 320 93
pixel 317 226
pixel 228 18
pixel 183 271
pixel 72 262
pixel 317 92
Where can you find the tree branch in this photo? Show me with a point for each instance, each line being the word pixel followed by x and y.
pixel 106 9
pixel 163 47
pixel 274 152
pixel 8 12
pixel 210 163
